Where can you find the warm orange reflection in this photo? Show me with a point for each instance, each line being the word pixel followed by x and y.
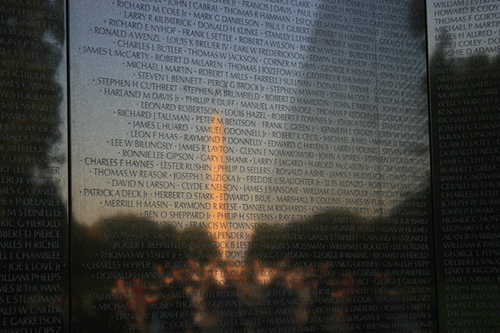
pixel 305 276
pixel 217 176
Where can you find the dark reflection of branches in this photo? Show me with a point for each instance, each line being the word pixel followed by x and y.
pixel 29 109
pixel 32 35
pixel 333 272
pixel 343 268
pixel 198 244
pixel 32 94
pixel 268 244
pixel 142 267
pixel 464 107
pixel 124 240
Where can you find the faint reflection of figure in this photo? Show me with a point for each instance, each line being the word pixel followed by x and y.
pixel 209 310
pixel 157 300
pixel 79 319
pixel 280 303
pixel 139 305
pixel 123 299
pixel 229 306
pixel 170 309
pixel 343 292
pixel 370 319
pixel 330 301
pixel 322 307
pixel 181 309
pixel 388 309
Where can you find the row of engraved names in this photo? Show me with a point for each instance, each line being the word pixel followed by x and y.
pixel 468 153
pixel 355 117
pixel 10 296
pixel 344 126
pixel 351 131
pixel 389 94
pixel 391 71
pixel 260 198
pixel 24 230
pixel 471 46
pixel 388 88
pixel 264 60
pixel 187 41
pixel 361 21
pixel 237 141
pixel 168 198
pixel 284 163
pixel 313 200
pixel 411 272
pixel 295 12
pixel 18 176
pixel 296 72
pixel 387 41
pixel 253 78
pixel 463 18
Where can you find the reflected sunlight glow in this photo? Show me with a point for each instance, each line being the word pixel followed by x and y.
pixel 217 186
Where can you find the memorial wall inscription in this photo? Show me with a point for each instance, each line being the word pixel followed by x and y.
pixel 464 106
pixel 270 146
pixel 288 108
pixel 249 166
pixel 33 218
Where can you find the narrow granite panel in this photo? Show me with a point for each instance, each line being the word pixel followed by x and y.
pixel 34 253
pixel 464 44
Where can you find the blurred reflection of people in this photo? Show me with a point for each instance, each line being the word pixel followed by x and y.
pixel 331 296
pixel 322 307
pixel 387 308
pixel 79 318
pixel 229 306
pixel 139 305
pixel 280 304
pixel 157 302
pixel 123 303
pixel 181 308
pixel 169 306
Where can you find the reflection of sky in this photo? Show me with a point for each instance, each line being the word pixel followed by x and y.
pixel 325 106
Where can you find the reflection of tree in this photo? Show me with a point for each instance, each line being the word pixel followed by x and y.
pixel 138 256
pixel 304 243
pixel 29 109
pixel 346 263
pixel 197 243
pixel 268 244
pixel 125 241
pixel 464 107
pixel 409 228
pixel 123 248
pixel 319 238
pixel 31 93
pixel 317 267
pixel 32 35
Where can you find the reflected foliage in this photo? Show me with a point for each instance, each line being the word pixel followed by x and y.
pixel 319 273
pixel 130 272
pixel 197 243
pixel 118 245
pixel 32 213
pixel 29 107
pixel 464 105
pixel 268 244
pixel 32 93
